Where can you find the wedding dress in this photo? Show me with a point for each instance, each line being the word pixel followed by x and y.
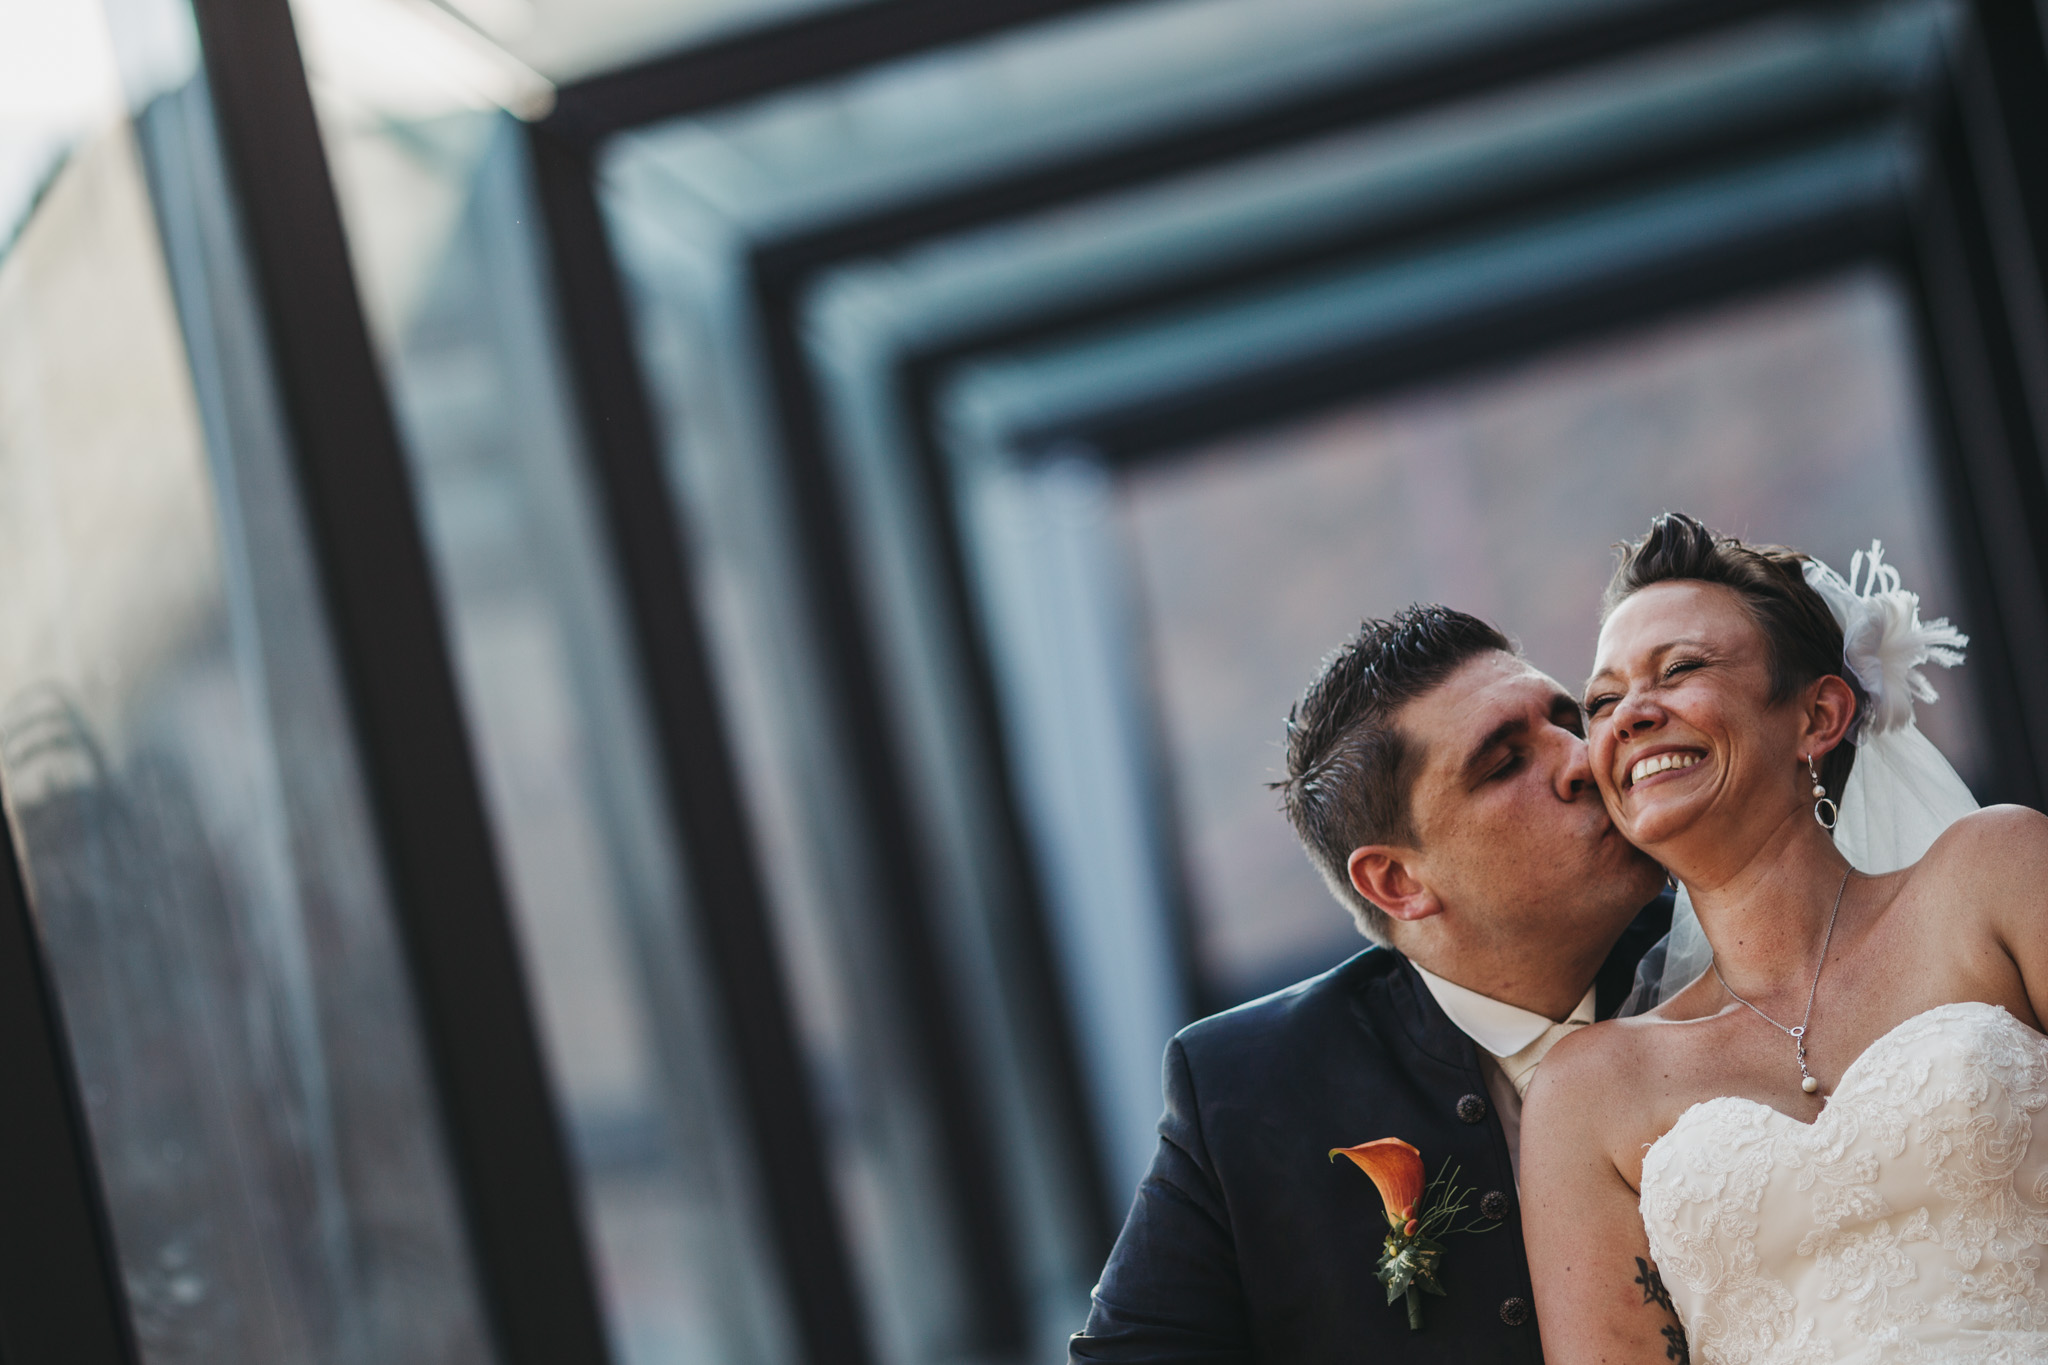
pixel 1906 1224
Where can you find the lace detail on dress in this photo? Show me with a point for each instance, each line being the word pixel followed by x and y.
pixel 1905 1225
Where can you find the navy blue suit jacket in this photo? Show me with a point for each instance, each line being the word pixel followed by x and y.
pixel 1247 1244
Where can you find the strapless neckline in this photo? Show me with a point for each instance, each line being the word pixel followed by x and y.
pixel 1848 1073
pixel 1907 1223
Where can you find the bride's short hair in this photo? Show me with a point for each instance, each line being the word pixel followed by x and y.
pixel 1349 768
pixel 1803 639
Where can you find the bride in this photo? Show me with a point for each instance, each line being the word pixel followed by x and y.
pixel 1822 1148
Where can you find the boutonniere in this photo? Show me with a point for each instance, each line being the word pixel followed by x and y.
pixel 1417 1216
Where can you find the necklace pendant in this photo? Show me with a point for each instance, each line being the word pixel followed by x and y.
pixel 1807 1082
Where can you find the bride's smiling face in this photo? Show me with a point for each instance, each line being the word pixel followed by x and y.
pixel 1685 736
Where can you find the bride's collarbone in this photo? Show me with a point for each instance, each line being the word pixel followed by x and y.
pixel 1732 1053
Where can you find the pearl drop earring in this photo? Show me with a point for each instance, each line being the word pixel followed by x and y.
pixel 1820 799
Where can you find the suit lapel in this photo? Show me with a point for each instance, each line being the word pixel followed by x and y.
pixel 1424 1021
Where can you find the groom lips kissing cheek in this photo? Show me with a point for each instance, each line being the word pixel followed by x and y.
pixel 1442 787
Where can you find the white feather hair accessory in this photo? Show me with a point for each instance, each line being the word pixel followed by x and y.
pixel 1884 641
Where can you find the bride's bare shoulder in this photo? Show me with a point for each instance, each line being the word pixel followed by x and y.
pixel 1591 1061
pixel 1989 847
pixel 1988 869
pixel 1613 1087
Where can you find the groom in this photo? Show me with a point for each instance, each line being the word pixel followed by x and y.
pixel 1441 786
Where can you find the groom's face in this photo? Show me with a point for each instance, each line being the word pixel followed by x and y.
pixel 1511 835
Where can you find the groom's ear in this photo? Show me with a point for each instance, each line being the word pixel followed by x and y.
pixel 1380 873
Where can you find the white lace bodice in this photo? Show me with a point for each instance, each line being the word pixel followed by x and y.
pixel 1906 1224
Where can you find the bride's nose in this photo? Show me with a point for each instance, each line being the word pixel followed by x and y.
pixel 1635 713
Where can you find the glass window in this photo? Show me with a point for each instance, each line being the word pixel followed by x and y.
pixel 1792 419
pixel 177 766
pixel 572 38
pixel 444 232
pixel 851 1000
pixel 929 178
pixel 964 114
pixel 689 201
pixel 57 82
pixel 1049 554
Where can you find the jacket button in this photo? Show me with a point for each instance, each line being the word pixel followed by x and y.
pixel 1516 1311
pixel 1494 1204
pixel 1471 1108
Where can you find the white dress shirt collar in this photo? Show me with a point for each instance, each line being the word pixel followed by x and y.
pixel 1500 1028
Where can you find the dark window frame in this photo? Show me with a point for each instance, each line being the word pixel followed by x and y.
pixel 727 895
pixel 508 1152
pixel 62 1295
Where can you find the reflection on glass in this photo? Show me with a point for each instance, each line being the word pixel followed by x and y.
pixel 444 233
pixel 1789 420
pixel 849 999
pixel 927 122
pixel 192 829
pixel 571 38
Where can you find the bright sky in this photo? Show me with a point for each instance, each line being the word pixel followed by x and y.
pixel 409 59
pixel 400 58
pixel 57 78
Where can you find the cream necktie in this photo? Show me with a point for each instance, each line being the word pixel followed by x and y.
pixel 1520 1067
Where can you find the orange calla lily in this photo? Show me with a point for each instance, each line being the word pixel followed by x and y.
pixel 1396 1168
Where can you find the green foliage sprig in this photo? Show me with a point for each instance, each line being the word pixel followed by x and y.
pixel 1414 1251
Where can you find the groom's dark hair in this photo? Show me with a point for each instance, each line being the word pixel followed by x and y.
pixel 1800 633
pixel 1349 768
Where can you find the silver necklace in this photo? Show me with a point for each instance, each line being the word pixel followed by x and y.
pixel 1798 1035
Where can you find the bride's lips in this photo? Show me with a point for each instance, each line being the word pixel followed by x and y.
pixel 1659 762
